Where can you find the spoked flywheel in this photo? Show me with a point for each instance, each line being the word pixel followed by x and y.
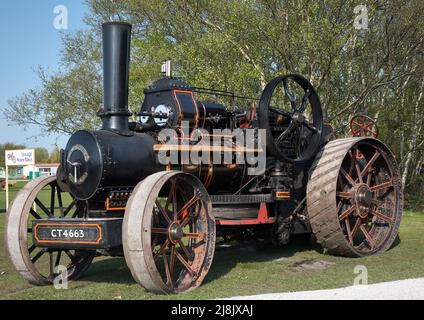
pixel 169 232
pixel 42 198
pixel 354 197
pixel 290 112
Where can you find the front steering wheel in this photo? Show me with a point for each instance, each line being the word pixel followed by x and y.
pixel 294 133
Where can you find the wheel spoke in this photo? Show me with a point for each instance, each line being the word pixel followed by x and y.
pixel 347 177
pixel 194 235
pixel 346 213
pixel 52 199
pixel 172 260
pixel 184 263
pixel 167 272
pixel 356 227
pixel 344 195
pixel 162 210
pixel 160 230
pixel 51 266
pixel 190 203
pixel 367 236
pixel 368 166
pixel 349 232
pixel 383 185
pixel 59 199
pixel 71 256
pixel 304 101
pixel 286 132
pixel 161 250
pixel 382 216
pixel 188 254
pixel 281 111
pixel 37 256
pixel 59 255
pixel 69 208
pixel 170 195
pixel 34 214
pixel 43 207
pixel 289 95
pixel 31 249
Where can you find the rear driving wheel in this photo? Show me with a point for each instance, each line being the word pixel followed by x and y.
pixel 354 197
pixel 169 232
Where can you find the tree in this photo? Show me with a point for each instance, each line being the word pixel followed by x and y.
pixel 240 45
pixel 41 155
pixel 54 156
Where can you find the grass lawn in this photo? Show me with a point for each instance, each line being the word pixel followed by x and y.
pixel 242 270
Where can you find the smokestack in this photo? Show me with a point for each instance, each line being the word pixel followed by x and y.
pixel 116 57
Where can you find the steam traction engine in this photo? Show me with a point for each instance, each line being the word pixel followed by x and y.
pixel 113 195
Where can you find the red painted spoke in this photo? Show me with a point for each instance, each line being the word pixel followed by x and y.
pixel 167 272
pixel 186 220
pixel 346 213
pixel 345 195
pixel 358 173
pixel 347 177
pixel 191 202
pixel 194 235
pixel 170 195
pixel 172 260
pixel 367 236
pixel 370 163
pixel 161 250
pixel 160 230
pixel 184 263
pixel 164 213
pixel 381 216
pixel 349 232
pixel 174 204
pixel 339 206
pixel 381 186
pixel 356 227
pixel 187 253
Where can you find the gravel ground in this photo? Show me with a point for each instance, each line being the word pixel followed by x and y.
pixel 410 289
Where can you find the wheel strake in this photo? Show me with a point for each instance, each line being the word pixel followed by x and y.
pixel 354 197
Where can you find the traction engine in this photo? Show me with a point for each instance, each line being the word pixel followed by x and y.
pixel 137 189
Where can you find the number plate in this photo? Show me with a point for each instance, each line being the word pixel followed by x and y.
pixel 82 233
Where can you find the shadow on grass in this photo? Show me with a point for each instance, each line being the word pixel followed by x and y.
pixel 115 270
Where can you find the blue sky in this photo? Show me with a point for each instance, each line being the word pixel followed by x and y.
pixel 28 39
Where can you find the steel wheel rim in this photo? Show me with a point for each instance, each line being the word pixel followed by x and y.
pixel 369 169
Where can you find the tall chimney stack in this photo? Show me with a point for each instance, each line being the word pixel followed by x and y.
pixel 116 58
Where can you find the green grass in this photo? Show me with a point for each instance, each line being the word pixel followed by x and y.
pixel 12 192
pixel 237 271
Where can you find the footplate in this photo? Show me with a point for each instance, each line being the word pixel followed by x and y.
pixel 78 233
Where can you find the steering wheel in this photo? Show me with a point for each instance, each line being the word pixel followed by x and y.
pixel 363 126
pixel 293 134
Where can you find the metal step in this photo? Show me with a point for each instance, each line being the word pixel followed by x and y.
pixel 241 198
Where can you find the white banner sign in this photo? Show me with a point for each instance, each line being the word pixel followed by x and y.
pixel 20 157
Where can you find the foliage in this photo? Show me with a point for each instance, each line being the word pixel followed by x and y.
pixel 239 46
